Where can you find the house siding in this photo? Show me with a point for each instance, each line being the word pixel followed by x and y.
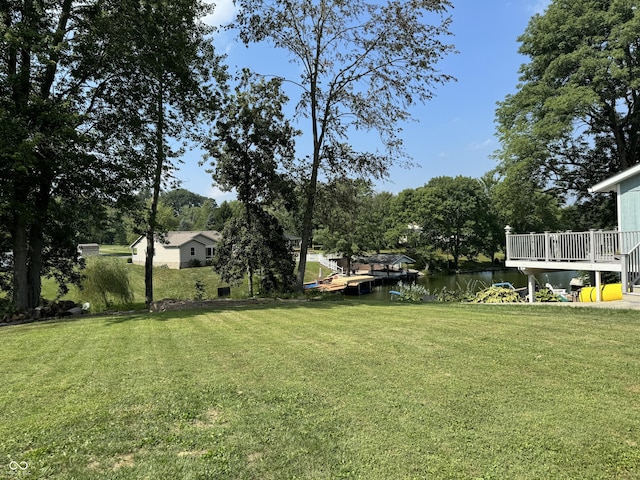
pixel 629 205
pixel 185 253
pixel 174 256
pixel 169 257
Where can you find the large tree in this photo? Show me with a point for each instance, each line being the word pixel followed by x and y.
pixel 168 83
pixel 53 166
pixel 576 115
pixel 455 215
pixel 251 147
pixel 362 65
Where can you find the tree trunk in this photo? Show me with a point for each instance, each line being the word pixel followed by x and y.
pixel 34 269
pixel 27 265
pixel 20 273
pixel 153 211
pixel 307 225
pixel 307 221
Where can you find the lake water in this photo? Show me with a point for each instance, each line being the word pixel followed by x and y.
pixel 480 280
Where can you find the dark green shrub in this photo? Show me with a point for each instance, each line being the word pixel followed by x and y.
pixel 200 287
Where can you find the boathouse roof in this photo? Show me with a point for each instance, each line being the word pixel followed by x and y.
pixel 388 259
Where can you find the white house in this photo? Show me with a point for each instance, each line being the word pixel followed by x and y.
pixel 596 250
pixel 178 249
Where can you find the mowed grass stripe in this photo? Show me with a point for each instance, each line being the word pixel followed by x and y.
pixel 326 390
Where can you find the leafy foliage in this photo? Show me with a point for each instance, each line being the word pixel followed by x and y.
pixel 252 140
pixel 169 82
pixel 53 166
pixel 362 65
pixel 343 217
pixel 411 292
pixel 546 295
pixel 259 248
pixel 497 295
pixel 106 281
pixel 574 119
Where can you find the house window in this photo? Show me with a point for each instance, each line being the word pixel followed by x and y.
pixel 193 251
pixel 209 252
pixel 135 251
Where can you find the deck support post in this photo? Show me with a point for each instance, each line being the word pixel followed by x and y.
pixel 598 287
pixel 507 232
pixel 547 245
pixel 532 288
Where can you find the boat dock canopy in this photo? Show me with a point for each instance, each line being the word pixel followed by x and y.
pixel 391 259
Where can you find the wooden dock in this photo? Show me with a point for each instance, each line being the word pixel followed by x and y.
pixel 350 285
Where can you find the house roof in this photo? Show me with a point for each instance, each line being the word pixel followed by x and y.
pixel 388 259
pixel 179 238
pixel 611 183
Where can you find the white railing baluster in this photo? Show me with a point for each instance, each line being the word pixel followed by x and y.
pixel 593 246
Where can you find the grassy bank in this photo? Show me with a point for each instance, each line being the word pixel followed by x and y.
pixel 170 283
pixel 324 391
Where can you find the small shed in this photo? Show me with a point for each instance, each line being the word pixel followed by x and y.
pixel 88 249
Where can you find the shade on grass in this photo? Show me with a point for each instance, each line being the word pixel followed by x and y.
pixel 323 391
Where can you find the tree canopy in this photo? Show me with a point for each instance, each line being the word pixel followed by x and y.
pixel 362 65
pixel 53 163
pixel 167 83
pixel 251 143
pixel 455 213
pixel 576 117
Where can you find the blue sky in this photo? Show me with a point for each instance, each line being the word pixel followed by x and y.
pixel 455 132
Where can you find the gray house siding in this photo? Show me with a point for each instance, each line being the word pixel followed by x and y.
pixel 629 205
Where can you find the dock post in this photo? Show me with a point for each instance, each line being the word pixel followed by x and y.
pixel 532 288
pixel 598 287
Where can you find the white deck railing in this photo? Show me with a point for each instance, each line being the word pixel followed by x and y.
pixel 593 246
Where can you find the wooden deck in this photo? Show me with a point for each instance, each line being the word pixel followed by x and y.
pixel 595 250
pixel 354 284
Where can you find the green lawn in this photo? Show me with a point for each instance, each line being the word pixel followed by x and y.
pixel 170 283
pixel 115 250
pixel 325 390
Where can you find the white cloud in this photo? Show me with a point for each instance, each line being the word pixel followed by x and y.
pixel 223 13
pixel 219 196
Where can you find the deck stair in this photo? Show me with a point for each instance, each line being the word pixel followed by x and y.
pixel 631 274
pixel 631 265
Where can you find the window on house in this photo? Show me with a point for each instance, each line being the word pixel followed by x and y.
pixel 135 251
pixel 209 252
pixel 193 251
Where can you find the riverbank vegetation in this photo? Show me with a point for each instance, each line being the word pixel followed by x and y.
pixel 185 284
pixel 325 390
